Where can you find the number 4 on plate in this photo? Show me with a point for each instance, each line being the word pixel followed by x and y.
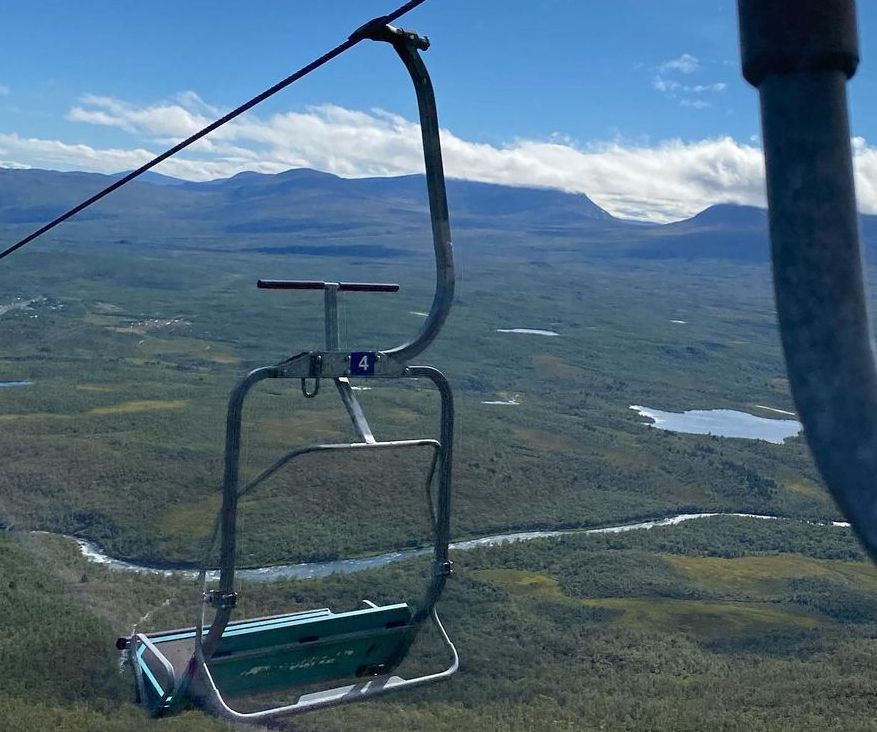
pixel 362 363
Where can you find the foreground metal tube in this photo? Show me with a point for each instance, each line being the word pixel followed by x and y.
pixel 799 54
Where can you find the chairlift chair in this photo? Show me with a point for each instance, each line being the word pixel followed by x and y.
pixel 206 664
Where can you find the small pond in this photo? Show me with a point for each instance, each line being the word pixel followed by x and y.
pixel 513 402
pixel 528 331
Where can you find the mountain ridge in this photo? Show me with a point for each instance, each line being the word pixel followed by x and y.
pixel 261 211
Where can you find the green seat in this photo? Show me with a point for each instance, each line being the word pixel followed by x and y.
pixel 264 654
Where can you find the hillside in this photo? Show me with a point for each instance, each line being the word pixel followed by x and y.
pixel 125 334
pixel 305 211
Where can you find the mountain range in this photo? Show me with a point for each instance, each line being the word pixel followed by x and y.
pixel 307 211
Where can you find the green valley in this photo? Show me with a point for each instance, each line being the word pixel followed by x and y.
pixel 132 336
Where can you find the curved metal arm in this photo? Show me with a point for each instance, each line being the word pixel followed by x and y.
pixel 799 55
pixel 407 45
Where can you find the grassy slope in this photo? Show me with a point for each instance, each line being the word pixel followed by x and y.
pixel 58 670
pixel 120 440
pixel 581 633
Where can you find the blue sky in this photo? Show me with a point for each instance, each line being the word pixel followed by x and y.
pixel 638 103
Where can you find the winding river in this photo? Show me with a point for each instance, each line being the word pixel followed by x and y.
pixel 312 570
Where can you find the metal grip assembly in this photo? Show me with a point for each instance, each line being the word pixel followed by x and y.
pixel 782 37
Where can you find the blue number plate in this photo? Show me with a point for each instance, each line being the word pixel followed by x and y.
pixel 362 363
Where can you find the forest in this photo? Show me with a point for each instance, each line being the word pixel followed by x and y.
pixel 130 350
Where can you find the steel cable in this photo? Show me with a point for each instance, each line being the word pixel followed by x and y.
pixel 352 40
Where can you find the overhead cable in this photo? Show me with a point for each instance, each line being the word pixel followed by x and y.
pixel 351 41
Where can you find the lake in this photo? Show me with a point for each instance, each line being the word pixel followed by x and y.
pixel 722 423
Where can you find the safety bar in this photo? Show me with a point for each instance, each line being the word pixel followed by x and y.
pixel 288 457
pixel 800 55
pixel 232 490
pixel 333 343
pixel 318 285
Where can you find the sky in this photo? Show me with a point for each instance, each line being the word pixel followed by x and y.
pixel 637 103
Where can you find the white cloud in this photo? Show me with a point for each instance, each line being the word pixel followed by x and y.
pixel 30 152
pixel 669 181
pixel 664 181
pixel 37 152
pixel 161 119
pixel 701 88
pixel 674 89
pixel 4 90
pixel 661 84
pixel 191 100
pixel 685 64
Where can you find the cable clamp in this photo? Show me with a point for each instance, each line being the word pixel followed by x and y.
pixel 379 30
pixel 444 568
pixel 369 29
pixel 220 600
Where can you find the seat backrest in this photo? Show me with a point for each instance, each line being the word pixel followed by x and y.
pixel 262 654
pixel 255 656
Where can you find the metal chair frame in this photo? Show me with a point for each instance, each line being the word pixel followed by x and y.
pixel 338 365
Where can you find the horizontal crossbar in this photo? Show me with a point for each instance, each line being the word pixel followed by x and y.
pixel 317 285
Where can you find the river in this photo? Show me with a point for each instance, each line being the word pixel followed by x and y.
pixel 311 570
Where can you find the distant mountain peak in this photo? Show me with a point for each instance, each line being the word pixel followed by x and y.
pixel 156 179
pixel 730 214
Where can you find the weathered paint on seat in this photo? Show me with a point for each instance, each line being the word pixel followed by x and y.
pixel 263 654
